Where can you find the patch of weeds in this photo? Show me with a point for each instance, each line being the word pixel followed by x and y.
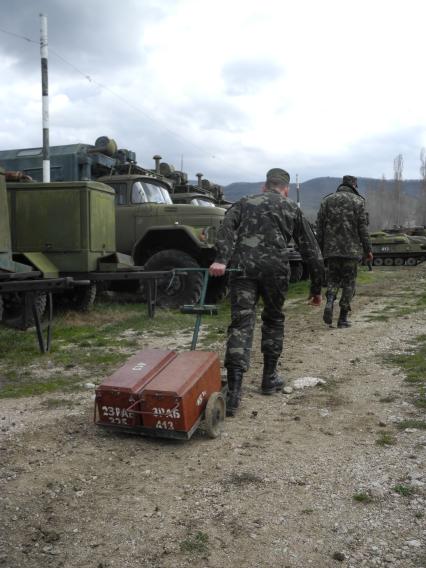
pixel 420 400
pixel 31 388
pixel 244 478
pixel 386 439
pixel 197 543
pixel 52 403
pixel 419 515
pixel 307 511
pixel 362 497
pixel 329 385
pixel 298 290
pixel 418 424
pixel 413 363
pixel 403 490
pixel 388 399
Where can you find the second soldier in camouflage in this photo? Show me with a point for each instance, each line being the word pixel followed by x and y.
pixel 343 237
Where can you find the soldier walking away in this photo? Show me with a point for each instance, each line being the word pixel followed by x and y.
pixel 254 238
pixel 343 237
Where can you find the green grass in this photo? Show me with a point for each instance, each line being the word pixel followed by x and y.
pixel 362 497
pixel 404 490
pixel 197 543
pixel 413 363
pixel 418 424
pixel 386 439
pixel 84 346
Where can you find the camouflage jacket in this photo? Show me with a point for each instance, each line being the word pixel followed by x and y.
pixel 342 224
pixel 255 235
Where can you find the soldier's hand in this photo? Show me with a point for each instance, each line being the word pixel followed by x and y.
pixel 315 300
pixel 217 269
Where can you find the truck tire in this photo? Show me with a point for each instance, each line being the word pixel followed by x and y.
pixel 181 289
pixel 14 310
pixel 82 298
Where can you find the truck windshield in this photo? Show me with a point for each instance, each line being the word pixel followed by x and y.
pixel 203 203
pixel 156 194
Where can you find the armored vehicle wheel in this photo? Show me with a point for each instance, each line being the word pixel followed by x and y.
pixel 215 414
pixel 1 308
pixel 296 271
pixel 411 261
pixel 181 288
pixel 378 261
pixel 388 261
pixel 15 313
pixel 81 298
pixel 399 261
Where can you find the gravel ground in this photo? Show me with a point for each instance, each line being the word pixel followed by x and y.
pixel 275 490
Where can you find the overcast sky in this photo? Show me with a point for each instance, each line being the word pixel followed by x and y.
pixel 232 87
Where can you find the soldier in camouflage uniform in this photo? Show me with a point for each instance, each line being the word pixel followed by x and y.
pixel 343 237
pixel 254 238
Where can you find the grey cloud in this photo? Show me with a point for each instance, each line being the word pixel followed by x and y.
pixel 245 77
pixel 95 35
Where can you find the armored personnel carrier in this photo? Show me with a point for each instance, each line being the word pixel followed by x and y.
pixel 397 249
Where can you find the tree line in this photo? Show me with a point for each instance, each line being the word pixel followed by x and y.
pixel 389 205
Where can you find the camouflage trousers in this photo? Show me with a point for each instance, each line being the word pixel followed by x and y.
pixel 245 292
pixel 341 273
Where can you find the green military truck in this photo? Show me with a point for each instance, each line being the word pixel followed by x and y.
pixel 152 229
pixel 24 289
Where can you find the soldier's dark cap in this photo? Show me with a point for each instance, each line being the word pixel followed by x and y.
pixel 351 180
pixel 279 176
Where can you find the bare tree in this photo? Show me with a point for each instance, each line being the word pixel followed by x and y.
pixel 398 166
pixel 421 209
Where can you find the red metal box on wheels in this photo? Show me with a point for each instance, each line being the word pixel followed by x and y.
pixel 119 391
pixel 162 393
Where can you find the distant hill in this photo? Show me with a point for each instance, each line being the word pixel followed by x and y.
pixel 313 190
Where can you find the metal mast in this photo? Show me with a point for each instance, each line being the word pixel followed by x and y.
pixel 45 98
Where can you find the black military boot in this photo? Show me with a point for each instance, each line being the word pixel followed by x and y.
pixel 233 397
pixel 271 381
pixel 328 310
pixel 343 319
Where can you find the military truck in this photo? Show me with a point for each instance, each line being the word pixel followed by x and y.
pixel 24 290
pixel 397 249
pixel 152 229
pixel 204 193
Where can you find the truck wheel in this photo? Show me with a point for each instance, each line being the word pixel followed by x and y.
pixel 14 310
pixel 81 298
pixel 180 289
pixel 296 271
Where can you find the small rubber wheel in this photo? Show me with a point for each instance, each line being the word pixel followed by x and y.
pixel 411 261
pixel 388 262
pixel 399 261
pixel 378 261
pixel 215 414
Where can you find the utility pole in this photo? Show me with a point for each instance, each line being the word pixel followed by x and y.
pixel 298 191
pixel 45 98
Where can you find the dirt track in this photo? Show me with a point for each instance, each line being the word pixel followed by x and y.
pixel 277 489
